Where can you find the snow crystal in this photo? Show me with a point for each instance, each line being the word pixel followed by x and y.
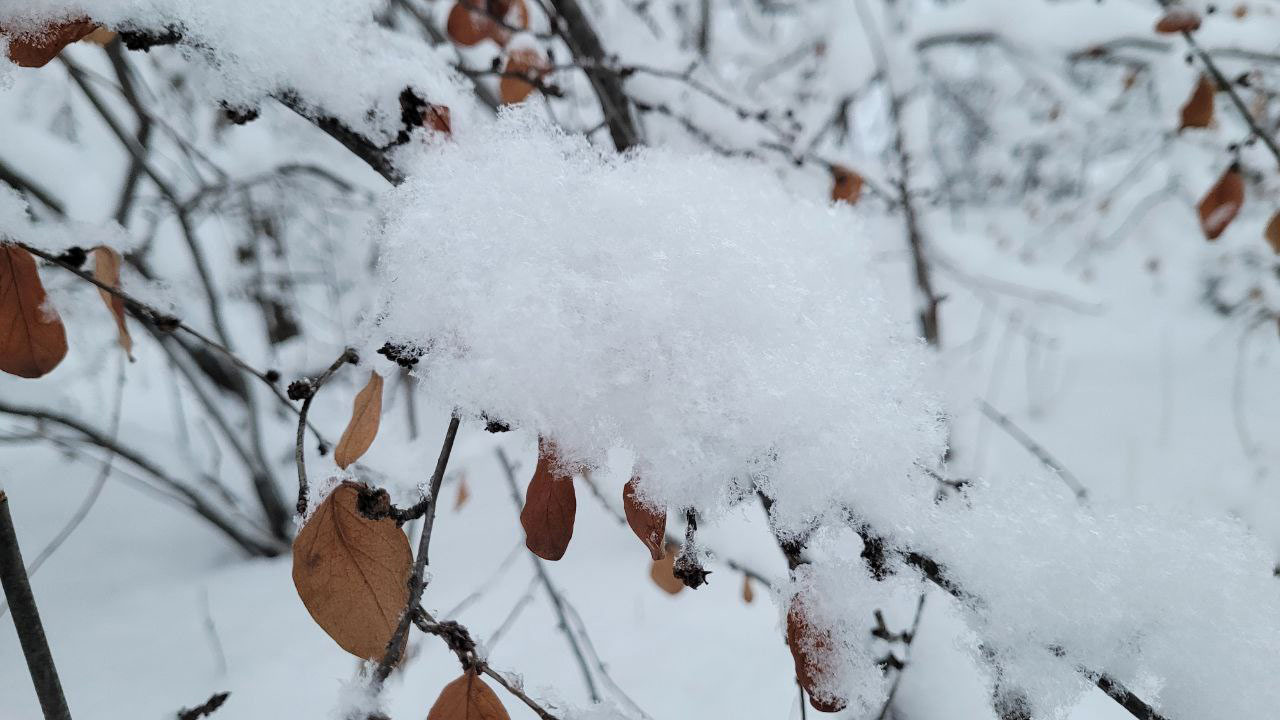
pixel 682 307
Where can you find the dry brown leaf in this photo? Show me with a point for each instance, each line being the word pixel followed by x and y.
pixel 37 49
pixel 106 270
pixel 525 62
pixel 100 37
pixel 662 572
pixel 1178 19
pixel 648 523
pixel 32 338
pixel 1198 111
pixel 1272 232
pixel 748 593
pixel 352 573
pixel 846 185
pixel 437 117
pixel 1222 203
pixel 1240 11
pixel 466 26
pixel 811 649
pixel 464 493
pixel 366 415
pixel 468 698
pixel 550 505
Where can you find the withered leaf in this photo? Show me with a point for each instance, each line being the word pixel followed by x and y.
pixel 662 572
pixel 1272 233
pixel 106 270
pixel 846 185
pixel 550 505
pixel 437 117
pixel 366 415
pixel 748 593
pixel 352 573
pixel 466 26
pixel 1198 111
pixel 32 338
pixel 1222 203
pixel 464 493
pixel 648 523
pixel 525 62
pixel 811 650
pixel 35 50
pixel 468 698
pixel 1178 19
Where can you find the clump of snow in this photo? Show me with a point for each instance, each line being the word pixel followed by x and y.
pixel 1182 607
pixel 330 54
pixel 682 307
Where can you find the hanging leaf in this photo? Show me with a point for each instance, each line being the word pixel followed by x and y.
pixel 352 573
pixel 466 26
pixel 550 505
pixel 662 572
pixel 1178 19
pixel 811 650
pixel 648 523
pixel 436 117
pixel 468 698
pixel 526 62
pixel 35 50
pixel 366 414
pixel 1222 203
pixel 106 270
pixel 32 338
pixel 1272 233
pixel 464 493
pixel 748 593
pixel 846 185
pixel 1198 111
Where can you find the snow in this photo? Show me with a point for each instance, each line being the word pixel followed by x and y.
pixel 720 329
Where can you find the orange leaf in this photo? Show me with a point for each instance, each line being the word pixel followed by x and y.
pixel 662 572
pixel 811 651
pixel 106 270
pixel 352 573
pixel 37 49
pixel 846 185
pixel 1178 19
pixel 366 414
pixel 464 493
pixel 468 698
pixel 466 26
pixel 1222 203
pixel 525 62
pixel 32 338
pixel 1272 233
pixel 648 523
pixel 1198 111
pixel 550 505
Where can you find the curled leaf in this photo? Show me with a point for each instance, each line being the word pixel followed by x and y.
pixel 648 523
pixel 366 414
pixel 1198 111
pixel 1178 19
pixel 748 593
pixel 464 493
pixel 1222 203
pixel 662 572
pixel 550 505
pixel 524 62
pixel 106 270
pixel 468 698
pixel 35 50
pixel 811 649
pixel 846 185
pixel 32 338
pixel 352 573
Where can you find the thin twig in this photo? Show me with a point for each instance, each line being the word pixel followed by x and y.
pixel 308 389
pixel 1033 447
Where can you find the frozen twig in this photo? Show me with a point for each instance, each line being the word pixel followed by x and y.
pixel 306 390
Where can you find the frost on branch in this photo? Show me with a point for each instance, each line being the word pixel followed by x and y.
pixel 682 307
